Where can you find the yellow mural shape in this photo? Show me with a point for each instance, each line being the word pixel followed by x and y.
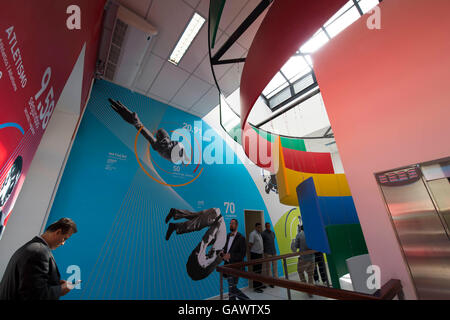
pixel 327 185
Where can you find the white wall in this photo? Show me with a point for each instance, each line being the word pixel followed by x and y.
pixel 34 201
pixel 259 112
pixel 302 120
pixel 272 201
pixel 309 118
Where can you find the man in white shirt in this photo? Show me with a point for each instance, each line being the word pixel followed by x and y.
pixel 255 244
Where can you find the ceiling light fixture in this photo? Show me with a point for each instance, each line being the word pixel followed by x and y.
pixel 186 39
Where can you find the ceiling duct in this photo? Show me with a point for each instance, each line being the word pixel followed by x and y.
pixel 126 37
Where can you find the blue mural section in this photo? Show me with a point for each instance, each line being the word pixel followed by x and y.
pixel 320 212
pixel 331 225
pixel 119 190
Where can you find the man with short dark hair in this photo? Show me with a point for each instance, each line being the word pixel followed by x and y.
pixel 256 246
pixel 268 237
pixel 233 252
pixel 31 273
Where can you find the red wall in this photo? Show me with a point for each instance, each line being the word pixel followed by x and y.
pixel 34 38
pixel 387 94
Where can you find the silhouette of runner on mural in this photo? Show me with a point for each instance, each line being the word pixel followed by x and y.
pixel 161 142
pixel 201 262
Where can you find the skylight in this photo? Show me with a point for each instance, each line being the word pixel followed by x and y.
pixel 295 68
pixel 343 22
pixel 309 60
pixel 186 39
pixel 341 11
pixel 298 72
pixel 277 83
pixel 314 43
pixel 367 5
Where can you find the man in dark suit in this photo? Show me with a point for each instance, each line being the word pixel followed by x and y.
pixel 234 251
pixel 31 273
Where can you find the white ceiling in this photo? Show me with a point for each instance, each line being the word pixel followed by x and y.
pixel 190 85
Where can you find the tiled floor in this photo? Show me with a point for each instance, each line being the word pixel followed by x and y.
pixel 275 293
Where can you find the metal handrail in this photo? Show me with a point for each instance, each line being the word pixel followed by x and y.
pixel 388 291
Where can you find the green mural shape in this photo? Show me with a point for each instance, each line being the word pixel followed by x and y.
pixel 215 13
pixel 235 133
pixel 346 241
pixel 286 230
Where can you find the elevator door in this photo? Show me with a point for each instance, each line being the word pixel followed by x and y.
pixel 421 229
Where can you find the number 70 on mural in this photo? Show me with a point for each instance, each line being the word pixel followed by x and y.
pixel 229 207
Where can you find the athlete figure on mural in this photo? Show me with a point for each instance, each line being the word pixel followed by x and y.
pixel 201 262
pixel 270 181
pixel 168 149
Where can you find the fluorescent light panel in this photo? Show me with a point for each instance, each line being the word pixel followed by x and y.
pixel 186 39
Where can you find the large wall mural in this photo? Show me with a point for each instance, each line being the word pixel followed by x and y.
pixel 152 190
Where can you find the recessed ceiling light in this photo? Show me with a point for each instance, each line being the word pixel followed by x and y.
pixel 186 39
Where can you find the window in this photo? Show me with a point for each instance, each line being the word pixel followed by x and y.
pixel 341 11
pixel 315 43
pixel 342 22
pixel 367 5
pixel 298 70
pixel 275 85
pixel 295 68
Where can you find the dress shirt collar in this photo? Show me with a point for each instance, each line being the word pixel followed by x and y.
pixel 40 237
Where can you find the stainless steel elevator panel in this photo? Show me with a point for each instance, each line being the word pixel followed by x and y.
pixel 418 209
pixel 437 178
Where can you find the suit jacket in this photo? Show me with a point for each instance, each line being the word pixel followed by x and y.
pixel 238 248
pixel 31 274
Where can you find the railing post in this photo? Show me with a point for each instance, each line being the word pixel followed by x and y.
pixel 221 285
pixel 286 273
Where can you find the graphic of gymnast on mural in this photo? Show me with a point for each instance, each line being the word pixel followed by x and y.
pixel 168 149
pixel 201 262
